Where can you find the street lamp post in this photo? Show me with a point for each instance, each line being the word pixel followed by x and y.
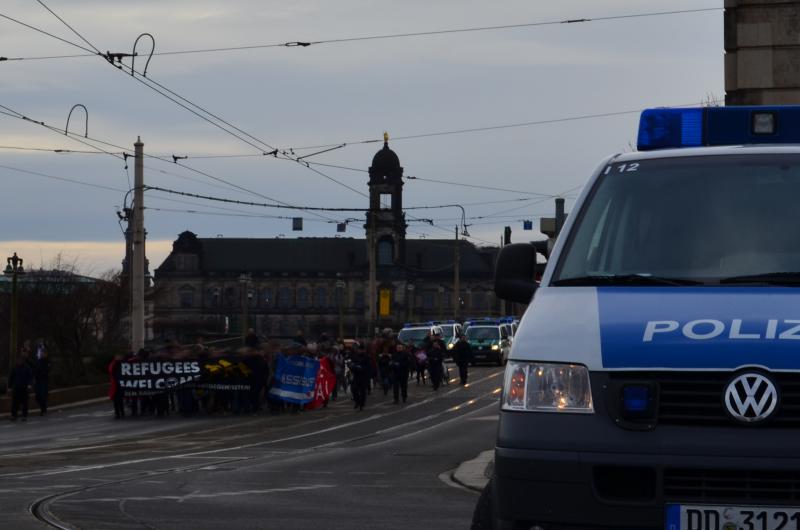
pixel 13 269
pixel 340 295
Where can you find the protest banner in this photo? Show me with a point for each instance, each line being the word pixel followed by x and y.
pixel 295 378
pixel 323 387
pixel 154 376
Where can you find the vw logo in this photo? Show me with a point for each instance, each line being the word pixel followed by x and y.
pixel 751 397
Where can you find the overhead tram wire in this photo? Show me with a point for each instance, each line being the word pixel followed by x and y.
pixel 409 177
pixel 70 27
pixel 18 115
pixel 488 128
pixel 305 44
pixel 38 30
pixel 141 76
pixel 477 186
pixel 63 179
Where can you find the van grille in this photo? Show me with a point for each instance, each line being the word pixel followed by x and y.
pixel 705 485
pixel 696 398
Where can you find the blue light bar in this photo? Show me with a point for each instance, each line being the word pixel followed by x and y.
pixel 716 126
pixel 663 128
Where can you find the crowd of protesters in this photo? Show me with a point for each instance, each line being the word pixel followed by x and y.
pixel 359 367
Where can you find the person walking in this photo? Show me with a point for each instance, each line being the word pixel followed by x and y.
pixel 435 363
pixel 400 366
pixel 19 380
pixel 337 358
pixel 384 372
pixel 41 377
pixel 360 366
pixel 251 340
pixel 462 355
pixel 116 392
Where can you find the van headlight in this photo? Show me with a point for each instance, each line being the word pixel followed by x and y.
pixel 547 387
pixel 495 347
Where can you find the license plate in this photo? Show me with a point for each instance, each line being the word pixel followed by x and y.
pixel 696 517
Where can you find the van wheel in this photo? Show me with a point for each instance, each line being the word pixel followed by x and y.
pixel 483 517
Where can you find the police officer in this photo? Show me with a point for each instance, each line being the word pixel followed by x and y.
pixel 462 355
pixel 360 367
pixel 19 380
pixel 436 362
pixel 400 366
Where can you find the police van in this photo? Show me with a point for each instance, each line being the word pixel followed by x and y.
pixel 415 333
pixel 654 380
pixel 489 340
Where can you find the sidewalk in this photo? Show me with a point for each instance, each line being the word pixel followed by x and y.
pixel 474 474
pixel 62 398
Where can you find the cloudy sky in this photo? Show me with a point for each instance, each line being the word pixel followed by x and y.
pixel 329 93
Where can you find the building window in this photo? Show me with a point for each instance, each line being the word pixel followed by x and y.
pixel 320 297
pixel 284 297
pixel 385 252
pixel 386 201
pixel 266 297
pixel 358 299
pixel 186 262
pixel 480 301
pixel 427 299
pixel 213 297
pixel 447 300
pixel 302 298
pixel 187 298
pixel 230 297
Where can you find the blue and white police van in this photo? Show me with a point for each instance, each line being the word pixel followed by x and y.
pixel 654 380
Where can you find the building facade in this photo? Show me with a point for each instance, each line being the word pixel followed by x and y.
pixel 762 52
pixel 279 286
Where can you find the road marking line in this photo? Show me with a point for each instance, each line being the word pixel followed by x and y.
pixel 196 495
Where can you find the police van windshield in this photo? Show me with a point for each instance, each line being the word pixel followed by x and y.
pixel 700 219
pixel 447 331
pixel 479 333
pixel 412 335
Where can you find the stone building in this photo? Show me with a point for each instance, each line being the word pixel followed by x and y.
pixel 207 285
pixel 762 52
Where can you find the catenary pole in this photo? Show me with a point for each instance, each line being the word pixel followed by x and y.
pixel 137 270
pixel 457 278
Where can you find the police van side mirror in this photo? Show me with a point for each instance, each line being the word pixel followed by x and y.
pixel 514 273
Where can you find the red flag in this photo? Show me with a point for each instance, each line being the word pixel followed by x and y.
pixel 326 379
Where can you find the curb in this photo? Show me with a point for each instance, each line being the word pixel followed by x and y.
pixel 474 474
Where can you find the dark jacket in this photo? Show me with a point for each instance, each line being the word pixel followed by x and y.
pixel 360 366
pixel 21 377
pixel 41 369
pixel 462 352
pixel 401 361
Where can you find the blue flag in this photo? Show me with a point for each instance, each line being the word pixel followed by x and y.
pixel 295 377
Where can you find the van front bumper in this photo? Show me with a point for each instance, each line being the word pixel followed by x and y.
pixel 571 472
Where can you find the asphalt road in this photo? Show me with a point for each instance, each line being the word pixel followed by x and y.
pixel 385 467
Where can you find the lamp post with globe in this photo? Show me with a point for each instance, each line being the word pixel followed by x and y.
pixel 14 269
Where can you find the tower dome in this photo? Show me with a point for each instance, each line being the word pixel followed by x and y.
pixel 385 164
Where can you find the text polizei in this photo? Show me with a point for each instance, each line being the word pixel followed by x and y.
pixel 735 329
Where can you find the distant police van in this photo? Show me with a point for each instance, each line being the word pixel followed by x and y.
pixel 654 381
pixel 489 339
